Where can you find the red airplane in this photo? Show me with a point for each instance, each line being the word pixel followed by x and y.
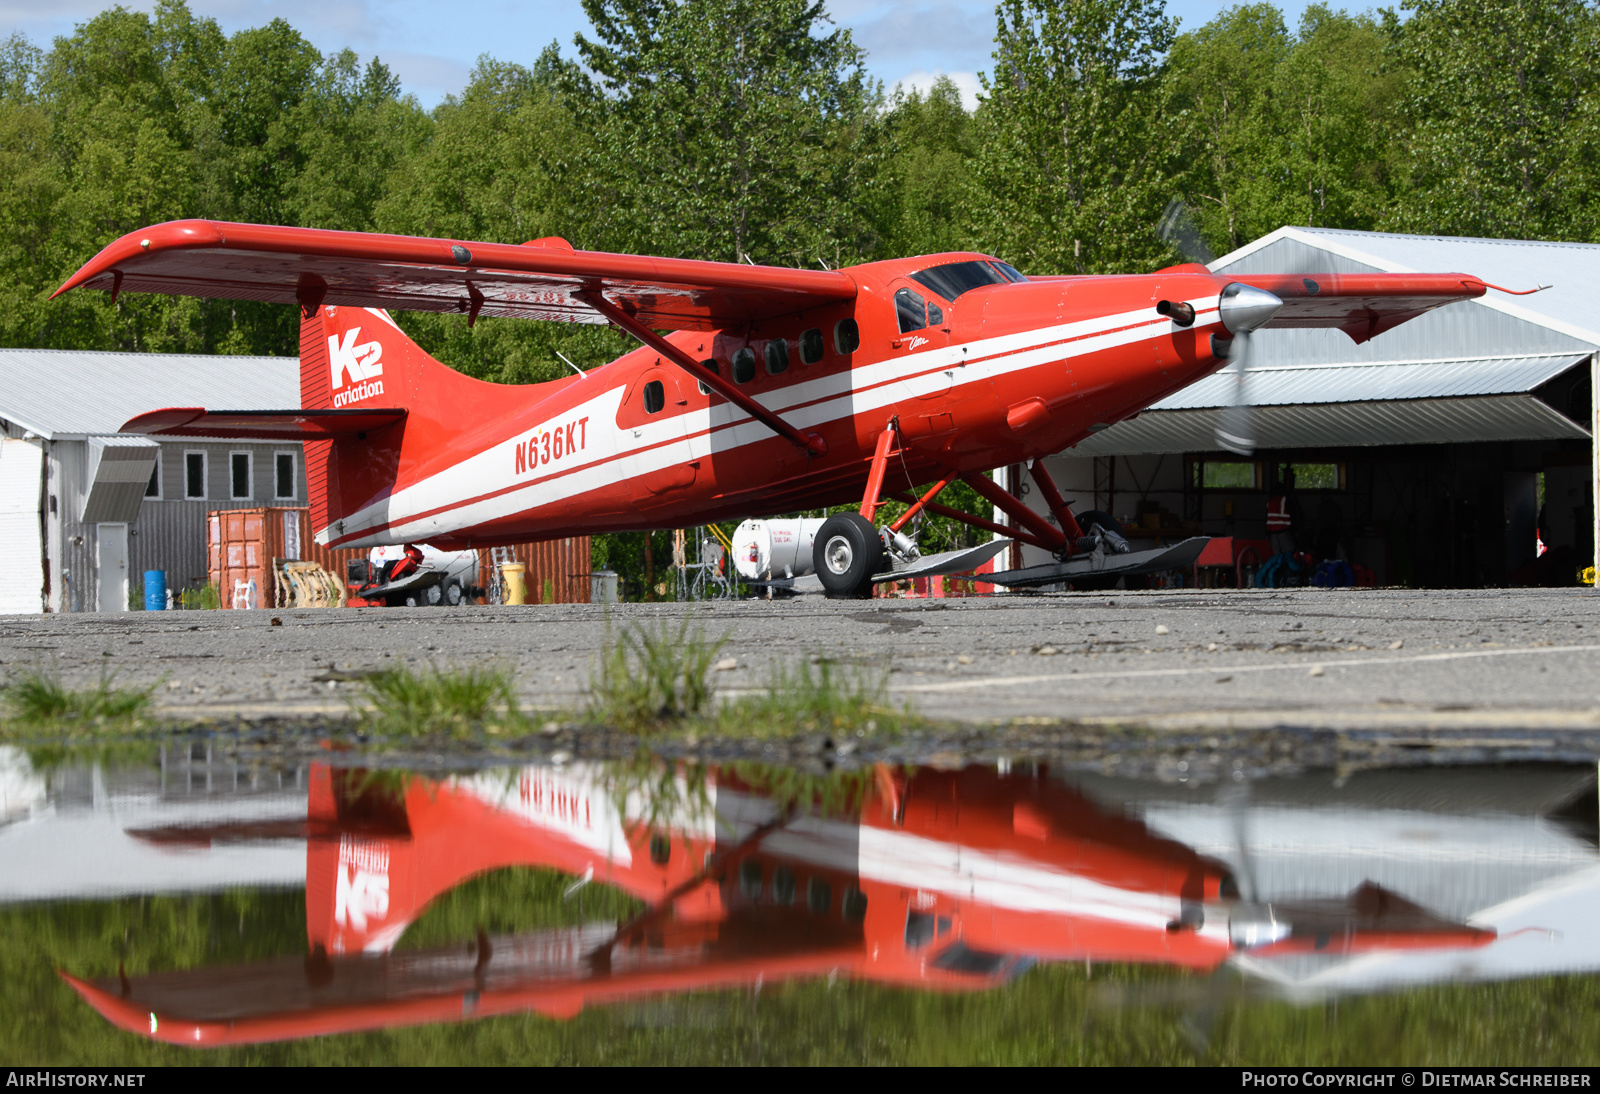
pixel 775 390
pixel 949 881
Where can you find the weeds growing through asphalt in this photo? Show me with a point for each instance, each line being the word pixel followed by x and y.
pixel 652 678
pixel 813 697
pixel 657 680
pixel 38 699
pixel 440 702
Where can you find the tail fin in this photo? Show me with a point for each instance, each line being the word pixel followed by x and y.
pixel 354 358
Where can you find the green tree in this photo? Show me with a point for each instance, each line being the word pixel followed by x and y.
pixel 925 188
pixel 1284 129
pixel 1503 139
pixel 495 165
pixel 726 129
pixel 1074 143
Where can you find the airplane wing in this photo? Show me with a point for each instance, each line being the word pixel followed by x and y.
pixel 536 280
pixel 1361 305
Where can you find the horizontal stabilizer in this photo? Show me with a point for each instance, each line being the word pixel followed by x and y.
pixel 262 425
pixel 1180 556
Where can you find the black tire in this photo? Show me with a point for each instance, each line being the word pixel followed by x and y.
pixel 845 554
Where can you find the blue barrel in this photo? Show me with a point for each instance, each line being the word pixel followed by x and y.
pixel 155 590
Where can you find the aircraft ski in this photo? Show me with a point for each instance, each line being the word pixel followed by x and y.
pixel 1180 556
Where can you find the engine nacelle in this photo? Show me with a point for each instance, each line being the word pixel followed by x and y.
pixel 767 550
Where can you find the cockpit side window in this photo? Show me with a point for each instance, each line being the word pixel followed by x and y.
pixel 910 310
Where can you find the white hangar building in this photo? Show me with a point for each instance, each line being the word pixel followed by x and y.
pixel 1426 454
pixel 84 512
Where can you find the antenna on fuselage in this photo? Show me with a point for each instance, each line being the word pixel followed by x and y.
pixel 570 365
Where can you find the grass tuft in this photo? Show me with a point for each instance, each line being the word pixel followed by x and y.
pixel 650 679
pixel 440 702
pixel 813 698
pixel 36 698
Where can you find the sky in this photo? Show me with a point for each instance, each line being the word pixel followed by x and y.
pixel 431 44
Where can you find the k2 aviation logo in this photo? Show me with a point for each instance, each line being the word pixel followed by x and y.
pixel 356 365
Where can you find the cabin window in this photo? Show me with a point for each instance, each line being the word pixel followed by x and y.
pixel 819 896
pixel 811 346
pixel 910 310
pixel 854 905
pixel 655 397
pixel 777 356
pixel 239 475
pixel 919 930
pixel 783 886
pixel 744 366
pixel 194 475
pixel 152 489
pixel 660 848
pixel 750 879
pixel 846 337
pixel 283 476
pixel 710 365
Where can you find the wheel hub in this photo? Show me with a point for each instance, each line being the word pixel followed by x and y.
pixel 838 555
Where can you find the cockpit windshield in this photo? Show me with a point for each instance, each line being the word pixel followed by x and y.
pixel 955 278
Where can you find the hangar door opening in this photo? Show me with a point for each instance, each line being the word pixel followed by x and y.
pixel 21 539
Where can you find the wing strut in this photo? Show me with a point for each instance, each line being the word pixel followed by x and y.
pixel 811 443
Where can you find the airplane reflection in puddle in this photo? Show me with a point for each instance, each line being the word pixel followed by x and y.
pixel 930 879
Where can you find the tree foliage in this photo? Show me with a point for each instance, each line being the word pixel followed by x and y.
pixel 1073 149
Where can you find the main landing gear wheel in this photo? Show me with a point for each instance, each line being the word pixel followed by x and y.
pixel 846 553
pixel 453 595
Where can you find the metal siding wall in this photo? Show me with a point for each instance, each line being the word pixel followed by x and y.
pixel 76 561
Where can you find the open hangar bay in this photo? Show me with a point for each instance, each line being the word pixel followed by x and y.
pixel 1524 659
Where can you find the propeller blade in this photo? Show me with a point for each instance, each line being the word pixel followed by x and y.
pixel 1236 429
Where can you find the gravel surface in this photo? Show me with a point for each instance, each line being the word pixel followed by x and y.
pixel 1370 661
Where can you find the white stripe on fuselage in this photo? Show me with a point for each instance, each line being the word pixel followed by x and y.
pixel 614 454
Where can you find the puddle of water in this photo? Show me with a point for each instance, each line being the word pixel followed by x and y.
pixel 643 912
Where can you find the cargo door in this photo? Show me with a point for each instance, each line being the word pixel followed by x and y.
pixel 21 545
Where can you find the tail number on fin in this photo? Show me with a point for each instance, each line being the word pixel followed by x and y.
pixel 355 365
pixel 546 445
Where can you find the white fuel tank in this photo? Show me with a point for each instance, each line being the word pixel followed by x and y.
pixel 765 550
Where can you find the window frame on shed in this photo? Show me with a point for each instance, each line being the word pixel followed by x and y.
pixel 155 479
pixel 294 475
pixel 249 475
pixel 205 470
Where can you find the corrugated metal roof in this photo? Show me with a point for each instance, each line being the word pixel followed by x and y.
pixel 1572 270
pixel 69 392
pixel 1359 382
pixel 1342 425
